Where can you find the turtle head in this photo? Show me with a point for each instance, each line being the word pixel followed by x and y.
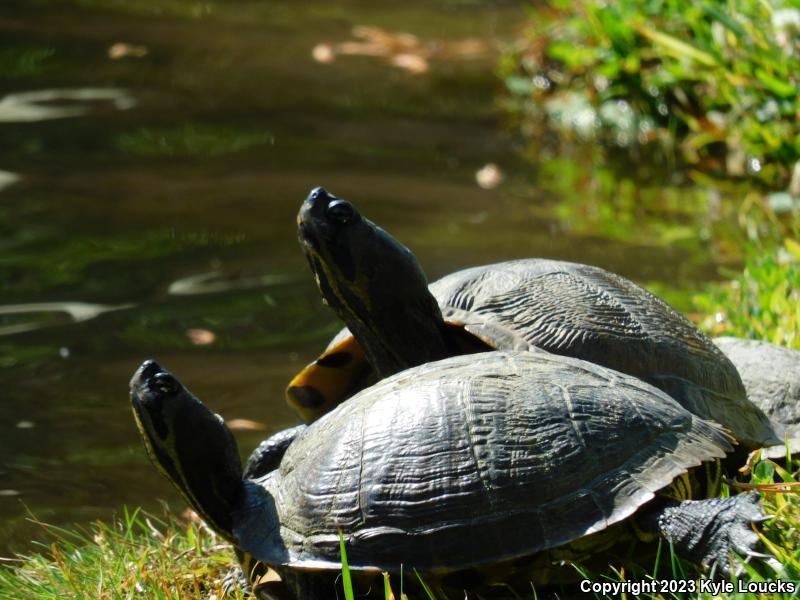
pixel 189 444
pixel 373 282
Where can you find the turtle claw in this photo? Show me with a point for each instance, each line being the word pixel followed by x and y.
pixel 762 519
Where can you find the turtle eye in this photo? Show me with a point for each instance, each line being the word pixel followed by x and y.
pixel 341 212
pixel 165 383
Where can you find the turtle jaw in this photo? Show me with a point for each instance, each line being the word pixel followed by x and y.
pixel 188 444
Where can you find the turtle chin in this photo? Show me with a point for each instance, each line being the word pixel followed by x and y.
pixel 313 231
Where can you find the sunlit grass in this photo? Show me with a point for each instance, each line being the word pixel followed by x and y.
pixel 762 303
pixel 137 556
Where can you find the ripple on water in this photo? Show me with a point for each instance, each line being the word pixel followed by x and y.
pixel 28 107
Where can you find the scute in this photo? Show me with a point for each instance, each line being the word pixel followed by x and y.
pixel 479 458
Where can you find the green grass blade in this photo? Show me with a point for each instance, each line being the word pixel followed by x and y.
pixel 387 588
pixel 676 47
pixel 425 587
pixel 347 583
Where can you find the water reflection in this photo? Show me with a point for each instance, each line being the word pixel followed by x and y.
pixel 76 312
pixel 42 105
pixel 218 281
pixel 7 178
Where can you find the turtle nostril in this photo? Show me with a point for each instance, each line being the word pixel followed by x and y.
pixel 318 193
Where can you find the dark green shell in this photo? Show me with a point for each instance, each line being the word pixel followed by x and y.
pixel 591 314
pixel 472 460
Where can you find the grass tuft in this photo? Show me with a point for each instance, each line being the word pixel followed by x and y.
pixel 137 556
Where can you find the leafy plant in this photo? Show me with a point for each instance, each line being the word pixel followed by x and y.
pixel 715 84
pixel 761 303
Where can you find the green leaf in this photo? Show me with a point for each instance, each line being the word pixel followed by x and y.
pixel 783 89
pixel 675 46
pixel 792 247
pixel 763 472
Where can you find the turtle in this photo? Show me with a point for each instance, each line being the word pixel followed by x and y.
pixel 504 461
pixel 771 375
pixel 395 321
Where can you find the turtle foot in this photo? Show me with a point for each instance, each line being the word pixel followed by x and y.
pixel 709 532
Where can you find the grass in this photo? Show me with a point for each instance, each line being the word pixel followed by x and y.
pixel 763 302
pixel 137 556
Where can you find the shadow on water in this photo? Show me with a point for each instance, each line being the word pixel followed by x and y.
pixel 154 156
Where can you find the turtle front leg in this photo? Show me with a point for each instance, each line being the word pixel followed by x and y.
pixel 708 532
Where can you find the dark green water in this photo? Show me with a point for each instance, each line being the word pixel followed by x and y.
pixel 190 164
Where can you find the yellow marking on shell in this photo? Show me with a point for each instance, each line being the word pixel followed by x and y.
pixel 332 382
pixel 168 446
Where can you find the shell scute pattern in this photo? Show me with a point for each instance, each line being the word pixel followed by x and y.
pixel 591 314
pixel 442 461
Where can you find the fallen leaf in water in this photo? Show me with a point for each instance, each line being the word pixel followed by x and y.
pixel 123 50
pixel 26 425
pixel 201 337
pixel 489 176
pixel 323 53
pixel 245 425
pixel 401 49
pixel 410 62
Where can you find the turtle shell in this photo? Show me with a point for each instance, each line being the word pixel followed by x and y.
pixel 472 460
pixel 568 309
pixel 771 375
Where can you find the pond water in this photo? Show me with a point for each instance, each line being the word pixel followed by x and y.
pixel 153 157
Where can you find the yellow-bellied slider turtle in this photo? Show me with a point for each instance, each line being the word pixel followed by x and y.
pixel 456 465
pixel 377 287
pixel 771 375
